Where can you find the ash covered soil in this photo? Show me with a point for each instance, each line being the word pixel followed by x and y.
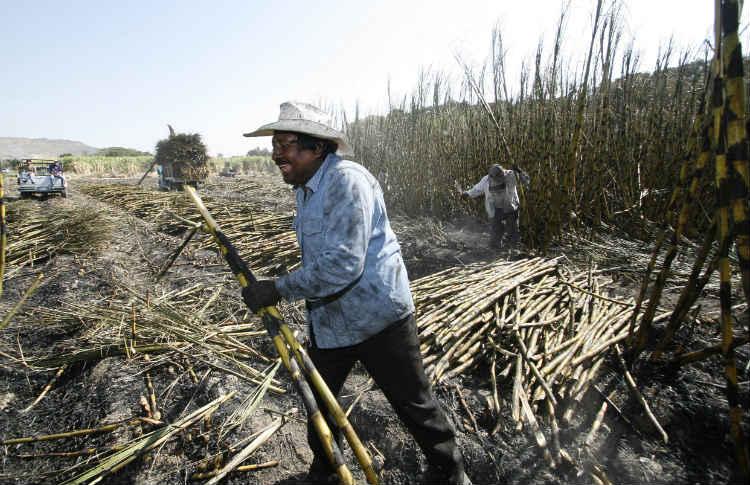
pixel 689 403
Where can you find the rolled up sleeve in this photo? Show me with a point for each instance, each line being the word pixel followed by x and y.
pixel 347 227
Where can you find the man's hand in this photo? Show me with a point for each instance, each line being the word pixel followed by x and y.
pixel 260 295
pixel 460 191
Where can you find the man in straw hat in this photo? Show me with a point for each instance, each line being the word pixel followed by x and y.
pixel 354 284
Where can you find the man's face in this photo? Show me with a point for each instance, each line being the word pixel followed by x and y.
pixel 496 171
pixel 297 164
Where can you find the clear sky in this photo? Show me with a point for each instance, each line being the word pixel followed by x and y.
pixel 115 73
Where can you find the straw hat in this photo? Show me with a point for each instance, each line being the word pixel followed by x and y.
pixel 495 170
pixel 308 119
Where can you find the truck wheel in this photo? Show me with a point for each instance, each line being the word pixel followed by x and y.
pixel 64 194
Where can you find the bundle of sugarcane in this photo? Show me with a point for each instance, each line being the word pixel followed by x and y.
pixel 182 155
pixel 529 315
pixel 37 232
pixel 457 310
pixel 532 322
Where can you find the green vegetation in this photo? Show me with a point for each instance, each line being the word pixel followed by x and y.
pixel 9 163
pixel 259 152
pixel 120 152
pixel 132 166
pixel 244 164
pixel 96 165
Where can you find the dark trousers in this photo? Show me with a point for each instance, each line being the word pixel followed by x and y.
pixel 393 360
pixel 505 222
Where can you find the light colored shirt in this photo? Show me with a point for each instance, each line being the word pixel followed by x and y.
pixel 353 275
pixel 499 192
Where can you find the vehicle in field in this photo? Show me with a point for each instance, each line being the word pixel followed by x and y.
pixel 228 171
pixel 181 160
pixel 175 175
pixel 41 177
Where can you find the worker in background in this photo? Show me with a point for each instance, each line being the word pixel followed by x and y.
pixel 55 169
pixel 500 190
pixel 355 286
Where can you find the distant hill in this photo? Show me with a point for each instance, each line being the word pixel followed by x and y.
pixel 11 147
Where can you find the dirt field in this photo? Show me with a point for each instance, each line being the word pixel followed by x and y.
pixel 689 402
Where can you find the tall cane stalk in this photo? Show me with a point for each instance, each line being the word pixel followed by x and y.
pixel 727 13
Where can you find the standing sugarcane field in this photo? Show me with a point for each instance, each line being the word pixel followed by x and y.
pixel 393 242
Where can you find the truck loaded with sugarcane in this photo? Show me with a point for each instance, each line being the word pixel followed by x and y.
pixel 181 160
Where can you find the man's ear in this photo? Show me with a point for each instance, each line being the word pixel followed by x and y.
pixel 319 149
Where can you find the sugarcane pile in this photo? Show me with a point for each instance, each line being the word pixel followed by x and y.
pixel 533 323
pixel 266 191
pixel 264 238
pixel 183 156
pixel 35 235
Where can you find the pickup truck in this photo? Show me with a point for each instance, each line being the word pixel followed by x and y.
pixel 42 177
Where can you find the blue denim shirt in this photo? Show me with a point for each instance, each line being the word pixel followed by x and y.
pixel 352 276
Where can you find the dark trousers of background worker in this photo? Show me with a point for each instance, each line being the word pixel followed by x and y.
pixel 505 222
pixel 393 360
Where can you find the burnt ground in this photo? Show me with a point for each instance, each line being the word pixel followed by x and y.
pixel 689 402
